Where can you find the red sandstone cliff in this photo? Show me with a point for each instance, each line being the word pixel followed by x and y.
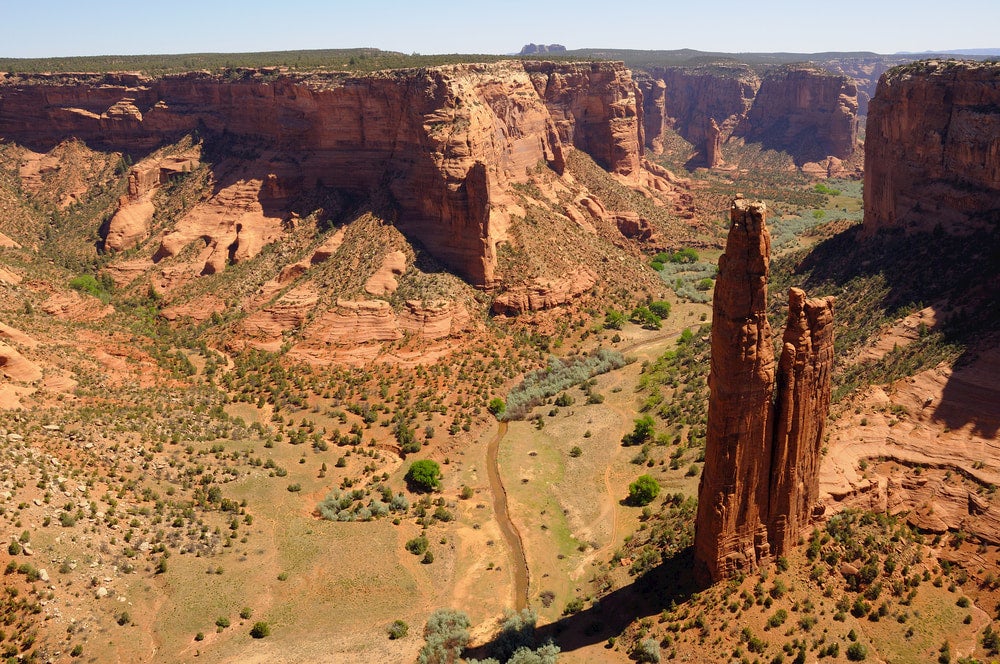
pixel 808 112
pixel 761 476
pixel 444 142
pixel 932 148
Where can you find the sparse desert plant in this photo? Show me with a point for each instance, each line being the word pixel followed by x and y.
pixel 445 636
pixel 398 629
pixel 260 630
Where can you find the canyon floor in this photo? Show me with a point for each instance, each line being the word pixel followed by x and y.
pixel 162 494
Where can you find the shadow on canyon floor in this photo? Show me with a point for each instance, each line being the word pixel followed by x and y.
pixel 651 593
pixel 958 276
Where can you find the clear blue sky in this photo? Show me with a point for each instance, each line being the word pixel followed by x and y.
pixel 39 28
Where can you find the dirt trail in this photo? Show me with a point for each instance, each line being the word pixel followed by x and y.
pixel 507 527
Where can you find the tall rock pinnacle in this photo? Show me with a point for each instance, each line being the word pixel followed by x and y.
pixel 760 479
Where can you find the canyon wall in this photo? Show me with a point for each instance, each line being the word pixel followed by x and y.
pixel 805 111
pixel 761 476
pixel 932 148
pixel 445 142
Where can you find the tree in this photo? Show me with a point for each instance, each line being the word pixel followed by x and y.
pixel 660 308
pixel 614 320
pixel 424 475
pixel 641 432
pixel 496 406
pixel 643 490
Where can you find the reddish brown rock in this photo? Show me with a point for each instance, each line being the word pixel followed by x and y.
pixel 802 404
pixel 805 111
pixel 932 148
pixel 545 293
pixel 731 528
pixel 713 145
pixel 445 142
pixel 760 482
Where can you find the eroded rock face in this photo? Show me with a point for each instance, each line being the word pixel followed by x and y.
pixel 802 404
pixel 808 112
pixel 731 527
pixel 932 148
pixel 445 142
pixel 761 477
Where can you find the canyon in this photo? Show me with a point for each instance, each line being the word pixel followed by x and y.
pixel 803 110
pixel 443 143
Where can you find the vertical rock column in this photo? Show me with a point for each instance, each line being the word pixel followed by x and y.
pixel 802 404
pixel 733 497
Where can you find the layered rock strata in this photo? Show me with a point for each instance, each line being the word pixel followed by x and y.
pixel 444 143
pixel 805 111
pixel 932 148
pixel 760 479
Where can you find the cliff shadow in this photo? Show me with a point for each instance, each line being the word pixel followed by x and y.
pixel 890 275
pixel 648 595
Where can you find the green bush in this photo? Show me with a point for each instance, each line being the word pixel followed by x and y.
pixel 496 406
pixel 614 320
pixel 417 545
pixel 642 431
pixel 260 630
pixel 643 490
pixel 424 475
pixel 856 652
pixel 660 308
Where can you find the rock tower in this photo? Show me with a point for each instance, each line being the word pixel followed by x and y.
pixel 761 479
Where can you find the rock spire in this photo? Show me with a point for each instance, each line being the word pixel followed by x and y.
pixel 760 479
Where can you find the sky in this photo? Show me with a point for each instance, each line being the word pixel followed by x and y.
pixel 50 28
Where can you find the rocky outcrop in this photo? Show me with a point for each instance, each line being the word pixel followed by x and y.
pixel 731 527
pixel 444 143
pixel 932 148
pixel 760 480
pixel 802 404
pixel 694 97
pixel 545 293
pixel 535 49
pixel 805 111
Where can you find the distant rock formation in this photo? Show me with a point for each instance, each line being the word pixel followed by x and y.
pixel 760 479
pixel 805 111
pixel 444 143
pixel 932 148
pixel 536 49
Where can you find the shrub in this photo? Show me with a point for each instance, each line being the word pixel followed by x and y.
pixel 856 652
pixel 647 650
pixel 496 406
pixel 222 621
pixel 260 630
pixel 575 451
pixel 643 490
pixel 417 545
pixel 560 373
pixel 246 612
pixel 445 636
pixel 424 475
pixel 398 629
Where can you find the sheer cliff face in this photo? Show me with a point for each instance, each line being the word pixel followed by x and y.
pixel 444 142
pixel 932 148
pixel 807 112
pixel 761 475
pixel 731 532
